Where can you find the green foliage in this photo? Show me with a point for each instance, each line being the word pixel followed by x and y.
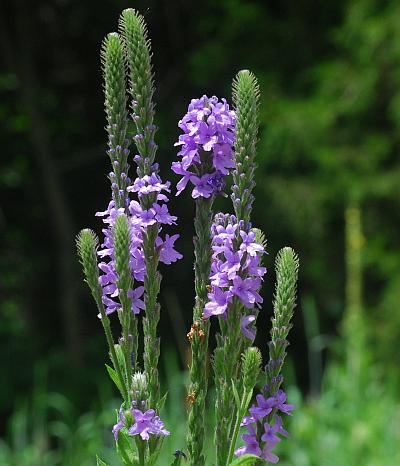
pixel 344 426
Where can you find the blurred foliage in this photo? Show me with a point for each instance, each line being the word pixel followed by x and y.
pixel 329 140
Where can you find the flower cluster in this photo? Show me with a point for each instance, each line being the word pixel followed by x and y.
pixel 235 269
pixel 139 219
pixel 139 422
pixel 264 418
pixel 207 154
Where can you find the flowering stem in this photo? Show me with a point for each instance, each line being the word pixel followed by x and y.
pixel 199 332
pixel 138 56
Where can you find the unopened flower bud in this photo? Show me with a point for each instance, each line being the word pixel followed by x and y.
pixel 251 367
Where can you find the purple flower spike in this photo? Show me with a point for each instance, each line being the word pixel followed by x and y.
pixel 264 428
pixel 209 134
pixel 139 219
pixel 235 270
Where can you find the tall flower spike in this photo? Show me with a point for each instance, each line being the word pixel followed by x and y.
pixel 138 53
pixel 206 157
pixel 246 96
pixel 148 185
pixel 287 269
pixel 263 422
pixel 115 104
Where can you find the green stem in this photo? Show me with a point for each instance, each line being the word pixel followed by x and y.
pixel 199 333
pixel 240 413
pixel 150 322
pixel 230 344
pixel 107 330
pixel 141 450
pixel 127 346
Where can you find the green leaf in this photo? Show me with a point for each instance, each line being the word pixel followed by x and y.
pixel 126 449
pixel 248 399
pixel 120 355
pixel 236 395
pixel 245 460
pixel 161 403
pixel 114 377
pixel 100 462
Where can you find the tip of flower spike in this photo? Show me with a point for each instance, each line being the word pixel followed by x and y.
pixel 131 17
pixel 245 82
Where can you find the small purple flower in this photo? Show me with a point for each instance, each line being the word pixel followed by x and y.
pixel 278 426
pixel 162 214
pixel 167 251
pixel 222 158
pixel 119 425
pixel 263 408
pixel 247 329
pixel 202 186
pixel 249 244
pixel 279 400
pixel 217 182
pixel 218 303
pixel 252 446
pixel 149 184
pixel 143 423
pixel 137 303
pixel 147 423
pixel 269 436
pixel 268 455
pixel 246 290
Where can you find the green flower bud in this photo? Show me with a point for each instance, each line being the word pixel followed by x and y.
pixel 138 52
pixel 251 366
pixel 112 60
pixel 287 269
pixel 87 243
pixel 115 104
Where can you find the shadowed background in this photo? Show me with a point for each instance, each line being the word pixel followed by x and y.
pixel 328 182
